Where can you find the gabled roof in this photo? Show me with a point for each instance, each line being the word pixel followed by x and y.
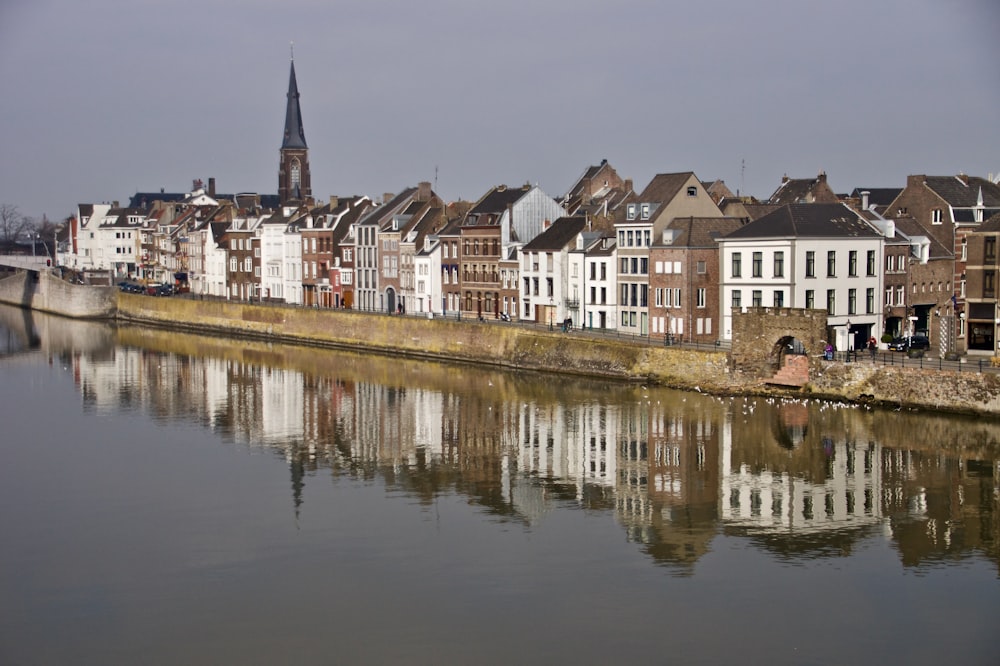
pixel 557 236
pixel 664 187
pixel 807 221
pixel 963 191
pixel 497 200
pixel 803 190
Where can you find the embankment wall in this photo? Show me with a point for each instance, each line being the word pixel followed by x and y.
pixel 42 291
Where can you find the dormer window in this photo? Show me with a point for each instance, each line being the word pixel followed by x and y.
pixel 630 212
pixel 644 211
pixel 692 191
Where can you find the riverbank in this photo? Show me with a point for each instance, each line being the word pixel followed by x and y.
pixel 519 348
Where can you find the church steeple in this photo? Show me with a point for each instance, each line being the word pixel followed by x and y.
pixel 295 136
pixel 294 182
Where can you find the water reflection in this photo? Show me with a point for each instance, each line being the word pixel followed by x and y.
pixel 801 479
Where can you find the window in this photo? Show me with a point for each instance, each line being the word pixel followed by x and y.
pixel 758 264
pixel 989 280
pixel 624 268
pixel 701 268
pixel 644 211
pixel 810 299
pixel 737 265
pixel 965 248
pixel 990 249
pixel 831 301
pixel 779 264
pixel 757 298
pixel 852 301
pixel 810 264
pixel 900 295
pixel 852 263
pixel 700 297
pixel 737 298
pixel 644 266
pixel 936 216
pixel 888 297
pixel 870 300
pixel 871 263
pixel 779 299
pixel 630 212
pixel 831 263
pixel 692 191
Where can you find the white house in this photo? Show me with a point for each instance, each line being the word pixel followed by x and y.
pixel 546 294
pixel 814 256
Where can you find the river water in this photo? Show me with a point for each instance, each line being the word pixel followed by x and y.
pixel 175 499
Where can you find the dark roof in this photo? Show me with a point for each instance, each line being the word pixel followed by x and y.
pixel 664 187
pixel 497 200
pixel 963 191
pixel 807 221
pixel 701 231
pixel 992 224
pixel 877 196
pixel 802 190
pixel 910 228
pixel 559 233
pixel 295 135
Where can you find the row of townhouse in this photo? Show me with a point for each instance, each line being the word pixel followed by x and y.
pixel 673 261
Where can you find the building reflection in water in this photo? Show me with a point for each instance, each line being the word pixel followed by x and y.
pixel 801 478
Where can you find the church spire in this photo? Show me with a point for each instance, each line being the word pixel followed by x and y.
pixel 294 179
pixel 295 136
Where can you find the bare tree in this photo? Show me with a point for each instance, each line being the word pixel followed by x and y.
pixel 13 224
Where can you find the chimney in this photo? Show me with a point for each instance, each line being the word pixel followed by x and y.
pixel 864 199
pixel 211 187
pixel 822 176
pixel 387 197
pixel 628 185
pixel 334 201
pixel 964 178
pixel 423 191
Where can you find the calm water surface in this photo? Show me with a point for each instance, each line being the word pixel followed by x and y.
pixel 172 499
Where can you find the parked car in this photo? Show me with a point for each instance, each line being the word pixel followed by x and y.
pixel 906 343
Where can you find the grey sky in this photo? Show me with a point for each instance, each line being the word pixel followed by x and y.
pixel 106 97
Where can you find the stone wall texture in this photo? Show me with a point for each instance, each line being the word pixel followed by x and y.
pixel 43 291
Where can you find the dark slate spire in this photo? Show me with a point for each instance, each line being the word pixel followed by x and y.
pixel 295 136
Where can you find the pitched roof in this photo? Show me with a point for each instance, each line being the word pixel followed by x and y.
pixel 803 190
pixel 992 224
pixel 557 236
pixel 807 221
pixel 963 191
pixel 701 231
pixel 664 187
pixel 877 196
pixel 910 228
pixel 497 199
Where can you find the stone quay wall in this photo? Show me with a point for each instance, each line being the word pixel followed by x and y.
pixel 494 343
pixel 41 290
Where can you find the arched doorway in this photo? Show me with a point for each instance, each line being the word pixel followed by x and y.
pixel 390 300
pixel 789 361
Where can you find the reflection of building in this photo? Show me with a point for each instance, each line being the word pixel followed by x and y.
pixel 779 501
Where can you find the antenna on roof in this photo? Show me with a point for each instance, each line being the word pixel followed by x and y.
pixel 435 177
pixel 743 168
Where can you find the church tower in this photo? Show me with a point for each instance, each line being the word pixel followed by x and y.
pixel 294 181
